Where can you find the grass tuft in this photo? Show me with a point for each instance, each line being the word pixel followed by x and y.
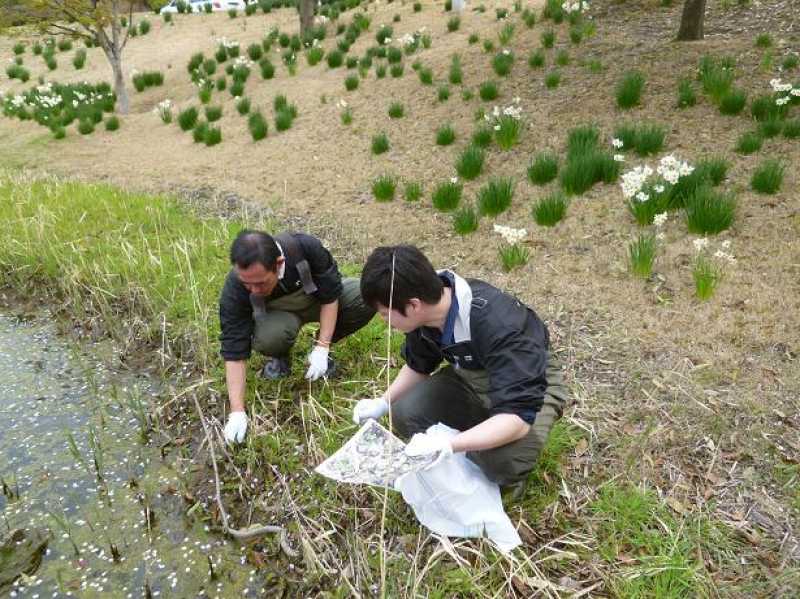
pixel 465 221
pixel 550 210
pixel 709 211
pixel 447 196
pixel 543 168
pixel 768 176
pixel 383 188
pixel 629 90
pixel 380 144
pixel 642 255
pixel 470 162
pixel 495 197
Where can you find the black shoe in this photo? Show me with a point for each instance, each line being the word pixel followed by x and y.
pixel 276 368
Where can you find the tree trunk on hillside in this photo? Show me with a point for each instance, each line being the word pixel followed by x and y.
pixel 306 16
pixel 694 12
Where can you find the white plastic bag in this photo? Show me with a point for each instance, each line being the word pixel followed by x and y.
pixel 454 498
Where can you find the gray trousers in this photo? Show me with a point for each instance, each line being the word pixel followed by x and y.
pixel 457 398
pixel 277 327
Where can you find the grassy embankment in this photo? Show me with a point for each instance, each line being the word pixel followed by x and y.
pixel 150 272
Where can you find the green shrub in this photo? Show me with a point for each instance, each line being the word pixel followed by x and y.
pixel 686 95
pixel 732 102
pixel 243 106
pixel 383 188
pixel 396 110
pixel 237 89
pixel 749 142
pixel 790 62
pixel 85 127
pixel 465 221
pixel 453 24
pixel 52 63
pixel 529 18
pixel 770 128
pixel 495 197
pixel 576 34
pixel 384 33
pixel 488 91
pixel 536 59
pixel 708 211
pixel 543 168
pixel 412 191
pixel 629 90
pixel 417 6
pixel 470 162
pixel 455 76
pixel 502 62
pixel 764 108
pixel 351 83
pixel 335 59
pixel 649 139
pixel 64 45
pixel 552 79
pixel 562 58
pixel 380 144
pixel 112 123
pixel 144 27
pixel 768 177
pixel 473 38
pixel 213 136
pixel 425 76
pixel 396 70
pixel 257 125
pixel 553 10
pixel 791 129
pixel 513 256
pixel 213 113
pixel 284 117
pixel 507 131
pixel 314 55
pixel 195 62
pixel 550 210
pixel 267 68
pixel 445 135
pixel 255 52
pixel 79 60
pixel 716 76
pixel 347 116
pixel 711 170
pixel 482 137
pixel 764 40
pixel 443 93
pixel 548 38
pixel 187 118
pixel 641 255
pixel 19 48
pixel 488 46
pixel 505 35
pixel 447 196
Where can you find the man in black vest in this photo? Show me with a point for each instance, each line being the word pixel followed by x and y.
pixel 502 388
pixel 278 284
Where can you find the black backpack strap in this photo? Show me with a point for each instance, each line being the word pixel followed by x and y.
pixel 291 249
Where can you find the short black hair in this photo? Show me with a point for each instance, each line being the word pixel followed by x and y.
pixel 252 247
pixel 414 277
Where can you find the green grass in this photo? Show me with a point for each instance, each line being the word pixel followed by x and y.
pixel 764 40
pixel 706 276
pixel 243 106
pixel 351 83
pixel 488 91
pixel 507 131
pixel 768 176
pixel 562 58
pixel 548 38
pixel 284 118
pixel 495 197
pixel 482 136
pixel 686 94
pixel 716 77
pixel 465 221
pixel 213 113
pixel 790 62
pixel 443 93
pixel 732 102
pixel 425 76
pixel 536 59
pixel 709 211
pixel 629 90
pixel 552 80
pixel 187 118
pixel 335 59
pixel 383 188
pixel 396 70
pixel 453 24
pixel 445 135
pixel 396 110
pixel 446 196
pixel 649 139
pixel 749 142
pixel 791 129
pixel 770 128
pixel 513 256
pixel 586 163
pixel 469 164
pixel 257 125
pixel 380 144
pixel 712 170
pixel 543 168
pixel 112 123
pixel 502 63
pixel 412 192
pixel 550 210
pixel 642 255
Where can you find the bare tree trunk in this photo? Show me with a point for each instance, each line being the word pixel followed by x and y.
pixel 123 102
pixel 694 12
pixel 306 15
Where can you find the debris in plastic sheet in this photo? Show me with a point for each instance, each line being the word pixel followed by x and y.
pixel 373 456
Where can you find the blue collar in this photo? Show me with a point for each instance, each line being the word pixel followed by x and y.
pixel 448 335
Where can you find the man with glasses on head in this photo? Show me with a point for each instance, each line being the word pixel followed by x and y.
pixel 275 286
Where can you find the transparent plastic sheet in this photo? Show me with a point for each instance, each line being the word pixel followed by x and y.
pixel 452 498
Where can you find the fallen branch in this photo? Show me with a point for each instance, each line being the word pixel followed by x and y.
pixel 238 534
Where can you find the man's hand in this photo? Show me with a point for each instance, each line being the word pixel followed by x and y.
pixel 369 408
pixel 236 427
pixel 318 363
pixel 425 444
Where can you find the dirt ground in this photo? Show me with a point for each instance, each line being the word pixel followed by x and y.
pixel 701 398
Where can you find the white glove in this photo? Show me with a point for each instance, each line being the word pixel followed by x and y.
pixel 369 408
pixel 424 444
pixel 236 427
pixel 318 360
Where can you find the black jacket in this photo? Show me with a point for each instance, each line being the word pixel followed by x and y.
pixel 507 339
pixel 236 311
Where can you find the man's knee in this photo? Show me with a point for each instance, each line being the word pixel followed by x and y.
pixel 503 465
pixel 275 335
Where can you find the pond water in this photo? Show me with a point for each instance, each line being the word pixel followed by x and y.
pixel 70 449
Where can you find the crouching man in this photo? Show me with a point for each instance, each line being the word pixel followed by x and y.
pixel 501 386
pixel 275 286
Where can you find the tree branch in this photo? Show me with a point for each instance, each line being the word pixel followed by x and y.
pixel 248 533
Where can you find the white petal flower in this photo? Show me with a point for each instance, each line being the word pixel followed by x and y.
pixel 617 143
pixel 619 157
pixel 700 244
